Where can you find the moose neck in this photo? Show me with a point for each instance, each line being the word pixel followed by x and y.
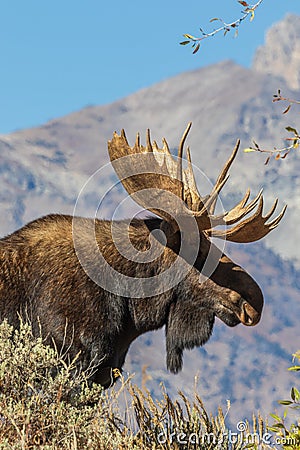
pixel 124 246
pixel 185 308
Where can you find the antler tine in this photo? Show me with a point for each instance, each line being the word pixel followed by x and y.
pixel 184 136
pixel 180 151
pixel 244 200
pixel 155 146
pixel 190 173
pixel 192 196
pixel 277 219
pixel 166 146
pixel 188 157
pixel 273 207
pixel 137 141
pixel 148 141
pixel 212 198
pixel 123 135
pixel 241 209
pixel 229 162
pixel 253 228
pixel 224 173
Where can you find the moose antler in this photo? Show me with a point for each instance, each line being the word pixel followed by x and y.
pixel 152 176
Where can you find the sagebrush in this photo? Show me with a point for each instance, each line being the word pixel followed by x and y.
pixel 48 403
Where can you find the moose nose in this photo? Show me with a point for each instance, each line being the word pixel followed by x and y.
pixel 249 316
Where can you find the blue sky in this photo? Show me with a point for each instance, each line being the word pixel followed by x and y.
pixel 60 56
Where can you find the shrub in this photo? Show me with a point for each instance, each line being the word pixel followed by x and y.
pixel 48 403
pixel 289 435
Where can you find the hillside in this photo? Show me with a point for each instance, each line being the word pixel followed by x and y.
pixel 43 169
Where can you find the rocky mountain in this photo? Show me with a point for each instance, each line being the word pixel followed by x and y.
pixel 44 169
pixel 281 53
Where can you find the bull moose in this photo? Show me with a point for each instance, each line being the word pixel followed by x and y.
pixel 73 277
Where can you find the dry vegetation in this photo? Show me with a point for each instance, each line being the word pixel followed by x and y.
pixel 47 403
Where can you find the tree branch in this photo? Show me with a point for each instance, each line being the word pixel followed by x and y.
pixel 225 28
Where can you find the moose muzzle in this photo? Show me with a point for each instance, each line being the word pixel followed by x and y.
pixel 248 315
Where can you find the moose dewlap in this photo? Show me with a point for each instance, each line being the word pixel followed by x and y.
pixel 53 270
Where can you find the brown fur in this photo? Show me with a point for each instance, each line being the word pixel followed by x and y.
pixel 41 278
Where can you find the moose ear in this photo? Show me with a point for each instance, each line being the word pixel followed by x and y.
pixel 189 325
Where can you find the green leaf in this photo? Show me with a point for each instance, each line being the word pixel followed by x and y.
pixel 285 402
pixel 292 130
pixel 275 417
pixel 248 150
pixel 189 36
pixel 196 48
pixel 252 14
pixel 274 429
pixel 287 109
pixel 294 368
pixel 278 426
pixel 295 395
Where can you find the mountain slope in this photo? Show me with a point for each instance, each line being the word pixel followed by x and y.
pixel 224 101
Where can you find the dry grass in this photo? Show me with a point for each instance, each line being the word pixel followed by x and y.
pixel 46 403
